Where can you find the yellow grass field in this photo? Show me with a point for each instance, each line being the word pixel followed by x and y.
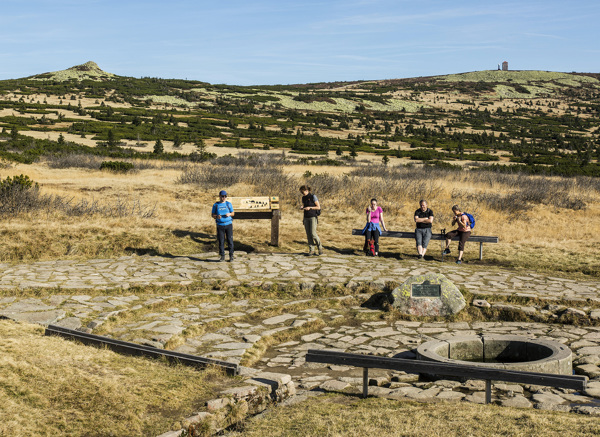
pixel 54 387
pixel 544 237
pixel 348 416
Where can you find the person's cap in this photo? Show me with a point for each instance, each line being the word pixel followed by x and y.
pixel 223 193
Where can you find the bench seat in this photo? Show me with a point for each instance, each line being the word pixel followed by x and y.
pixel 401 234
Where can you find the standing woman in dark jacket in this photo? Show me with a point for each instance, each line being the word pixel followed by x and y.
pixel 312 208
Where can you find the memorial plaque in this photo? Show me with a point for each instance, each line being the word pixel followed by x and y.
pixel 426 289
pixel 431 294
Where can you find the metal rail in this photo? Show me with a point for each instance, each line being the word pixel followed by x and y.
pixel 458 370
pixel 134 349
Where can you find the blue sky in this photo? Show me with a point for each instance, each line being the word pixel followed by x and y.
pixel 282 42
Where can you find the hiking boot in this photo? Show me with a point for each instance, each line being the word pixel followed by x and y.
pixel 320 251
pixel 231 258
pixel 419 256
pixel 446 251
pixel 222 258
pixel 458 261
pixel 310 252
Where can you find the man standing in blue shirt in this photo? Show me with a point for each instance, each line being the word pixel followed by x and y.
pixel 222 212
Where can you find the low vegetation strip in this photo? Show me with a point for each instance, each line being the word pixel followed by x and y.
pixel 347 416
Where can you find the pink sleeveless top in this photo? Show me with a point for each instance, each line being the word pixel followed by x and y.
pixel 375 214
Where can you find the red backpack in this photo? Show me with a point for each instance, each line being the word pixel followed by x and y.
pixel 370 247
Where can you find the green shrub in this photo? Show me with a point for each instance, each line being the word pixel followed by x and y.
pixel 18 194
pixel 118 166
pixel 21 182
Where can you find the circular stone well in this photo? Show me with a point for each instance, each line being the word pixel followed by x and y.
pixel 510 352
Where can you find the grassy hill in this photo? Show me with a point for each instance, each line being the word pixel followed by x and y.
pixel 544 122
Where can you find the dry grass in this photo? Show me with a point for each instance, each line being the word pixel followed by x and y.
pixel 50 386
pixel 538 220
pixel 347 416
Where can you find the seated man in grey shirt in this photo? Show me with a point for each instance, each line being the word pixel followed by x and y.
pixel 424 220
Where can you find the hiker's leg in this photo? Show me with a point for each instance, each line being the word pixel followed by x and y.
pixel 221 239
pixel 316 238
pixel 426 238
pixel 464 236
pixel 309 235
pixel 419 241
pixel 229 234
pixel 368 236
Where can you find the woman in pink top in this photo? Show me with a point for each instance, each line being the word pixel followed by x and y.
pixel 372 230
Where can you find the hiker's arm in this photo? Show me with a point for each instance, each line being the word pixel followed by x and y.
pixel 317 206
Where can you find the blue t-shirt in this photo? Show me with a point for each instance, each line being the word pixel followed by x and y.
pixel 222 208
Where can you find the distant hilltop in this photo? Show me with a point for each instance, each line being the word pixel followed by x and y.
pixel 88 66
pixel 532 78
pixel 89 70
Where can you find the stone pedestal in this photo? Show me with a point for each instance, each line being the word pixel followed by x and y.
pixel 428 295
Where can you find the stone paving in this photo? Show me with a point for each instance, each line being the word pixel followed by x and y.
pixel 212 322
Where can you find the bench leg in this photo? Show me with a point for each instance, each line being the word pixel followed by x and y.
pixel 488 391
pixel 443 247
pixel 480 251
pixel 365 382
pixel 275 227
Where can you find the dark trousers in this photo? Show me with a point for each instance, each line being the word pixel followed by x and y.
pixel 463 237
pixel 374 234
pixel 222 232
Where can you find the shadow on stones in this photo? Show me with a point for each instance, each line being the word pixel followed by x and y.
pixel 407 355
pixel 345 251
pixel 152 252
pixel 209 241
pixel 338 250
pixel 390 255
pixel 198 237
pixel 378 301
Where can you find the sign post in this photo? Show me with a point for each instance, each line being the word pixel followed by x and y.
pixel 259 208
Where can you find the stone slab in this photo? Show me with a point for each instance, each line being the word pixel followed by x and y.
pixel 407 301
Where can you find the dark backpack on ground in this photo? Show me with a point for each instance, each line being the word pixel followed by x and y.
pixel 471 219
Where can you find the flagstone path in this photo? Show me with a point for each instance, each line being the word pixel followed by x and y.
pixel 102 296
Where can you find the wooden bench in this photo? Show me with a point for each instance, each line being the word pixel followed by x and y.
pixel 487 374
pixel 473 238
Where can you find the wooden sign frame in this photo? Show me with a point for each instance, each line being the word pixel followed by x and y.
pixel 259 208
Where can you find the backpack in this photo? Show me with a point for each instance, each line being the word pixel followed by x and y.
pixel 471 219
pixel 369 247
pixel 318 211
